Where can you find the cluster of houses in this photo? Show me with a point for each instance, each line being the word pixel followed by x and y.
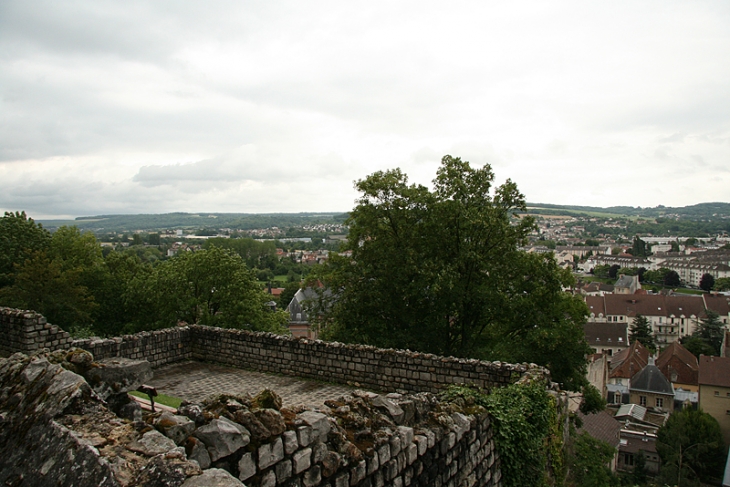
pixel 642 390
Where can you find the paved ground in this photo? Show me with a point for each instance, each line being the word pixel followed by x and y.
pixel 195 381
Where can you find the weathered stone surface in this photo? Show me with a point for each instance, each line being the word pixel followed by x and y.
pixel 246 466
pixel 392 408
pixel 213 477
pixel 302 460
pixel 266 399
pixel 283 470
pixel 256 428
pixel 222 437
pixel 290 442
pixel 193 412
pixel 175 427
pixel 124 406
pixel 312 477
pixel 271 453
pixel 112 376
pixel 196 450
pixel 167 470
pixel 330 464
pixel 152 443
pixel 272 420
pixel 318 422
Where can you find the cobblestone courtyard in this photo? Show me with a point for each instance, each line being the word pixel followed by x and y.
pixel 194 381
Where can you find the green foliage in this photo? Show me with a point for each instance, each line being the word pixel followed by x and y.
pixel 613 271
pixel 601 271
pixel 722 284
pixel 210 287
pixel 707 282
pixel 711 331
pixel 640 248
pixel 671 279
pixel 527 431
pixel 440 271
pixel 593 400
pixel 588 460
pixel 20 238
pixel 691 448
pixel 290 289
pixel 641 330
pixel 526 428
pixel 697 346
pixel 42 284
pixel 260 255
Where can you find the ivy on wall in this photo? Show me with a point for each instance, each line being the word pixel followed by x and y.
pixel 527 432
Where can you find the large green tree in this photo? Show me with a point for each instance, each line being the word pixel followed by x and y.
pixel 440 271
pixel 20 237
pixel 691 448
pixel 210 287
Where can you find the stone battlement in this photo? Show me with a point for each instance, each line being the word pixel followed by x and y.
pixel 366 366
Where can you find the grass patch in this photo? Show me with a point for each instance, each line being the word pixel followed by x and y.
pixel 173 402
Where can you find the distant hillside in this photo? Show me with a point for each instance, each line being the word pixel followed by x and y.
pixel 243 221
pixel 702 211
pixel 247 221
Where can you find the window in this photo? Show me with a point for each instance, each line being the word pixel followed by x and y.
pixel 642 401
pixel 629 459
pixel 617 398
pixel 659 402
pixel 717 393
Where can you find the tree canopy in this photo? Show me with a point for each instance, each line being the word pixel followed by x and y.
pixel 440 271
pixel 641 330
pixel 691 448
pixel 707 282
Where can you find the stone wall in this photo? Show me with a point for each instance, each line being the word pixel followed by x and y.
pixel 158 347
pixel 55 430
pixel 27 331
pixel 363 366
pixel 366 366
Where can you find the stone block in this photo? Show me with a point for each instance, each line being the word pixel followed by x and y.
pixel 283 470
pixel 175 427
pixel 213 477
pixel 383 453
pixel 246 467
pixel 411 453
pixel 422 443
pixel 291 444
pixel 304 435
pixel 271 453
pixel 196 450
pixel 395 445
pixel 312 477
pixel 268 479
pixel 358 472
pixel 222 437
pixel 319 451
pixel 302 460
pixel 373 464
pixel 318 422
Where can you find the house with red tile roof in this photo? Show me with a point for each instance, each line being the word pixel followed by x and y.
pixel 628 363
pixel 680 367
pixel 670 316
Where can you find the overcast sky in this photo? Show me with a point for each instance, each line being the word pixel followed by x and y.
pixel 267 106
